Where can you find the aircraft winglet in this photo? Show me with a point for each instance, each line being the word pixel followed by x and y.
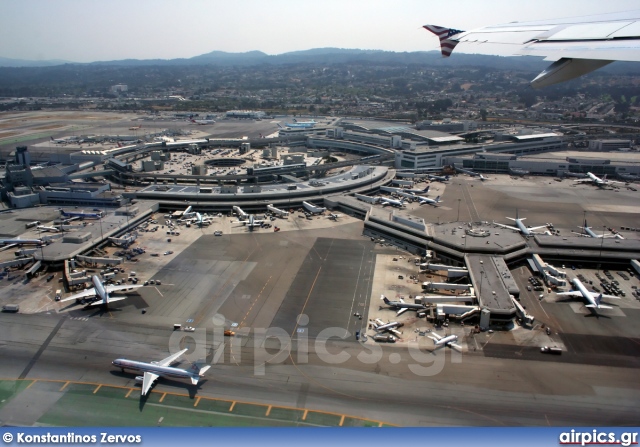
pixel 444 34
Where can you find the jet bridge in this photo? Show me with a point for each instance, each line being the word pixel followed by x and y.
pixel 458 311
pixel 445 286
pixel 522 314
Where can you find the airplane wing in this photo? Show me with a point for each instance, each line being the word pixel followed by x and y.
pixel 536 228
pixel 110 289
pixel 113 299
pixel 453 345
pixel 579 45
pixel 607 297
pixel 507 226
pixel 83 294
pixel 171 359
pixel 435 337
pixel 573 293
pixel 147 381
pixel 599 306
pixel 402 310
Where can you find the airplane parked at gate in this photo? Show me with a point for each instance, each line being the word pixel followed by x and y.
pixel 417 191
pixel 592 178
pixel 82 214
pixel 153 370
pixel 380 326
pixel 201 220
pixel 483 178
pixel 99 294
pixel 591 297
pixel 334 216
pixel 60 140
pixel 251 222
pixel 313 209
pixel 202 122
pixel 45 228
pixel 588 232
pixel 401 306
pixel 428 201
pixel 579 45
pixel 438 178
pixel 439 341
pixel 526 231
pixel 19 241
pixel 393 202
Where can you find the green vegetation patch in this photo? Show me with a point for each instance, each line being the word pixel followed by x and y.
pixel 250 410
pixel 325 419
pixel 10 388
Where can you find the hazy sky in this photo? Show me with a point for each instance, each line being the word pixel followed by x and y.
pixel 90 30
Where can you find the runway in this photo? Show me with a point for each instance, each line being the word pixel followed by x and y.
pixel 477 391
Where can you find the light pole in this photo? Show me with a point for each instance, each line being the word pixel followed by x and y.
pixel 41 244
pixel 604 227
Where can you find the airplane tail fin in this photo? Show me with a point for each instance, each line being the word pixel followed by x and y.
pixel 437 199
pixel 203 370
pixel 444 34
pixel 198 369
pixel 385 299
pixel 598 299
pixel 426 189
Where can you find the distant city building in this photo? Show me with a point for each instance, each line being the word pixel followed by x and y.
pixel 447 125
pixel 119 88
pixel 609 145
pixel 247 114
pixel 556 164
pixel 433 156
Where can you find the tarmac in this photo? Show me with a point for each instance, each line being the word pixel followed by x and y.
pixel 328 271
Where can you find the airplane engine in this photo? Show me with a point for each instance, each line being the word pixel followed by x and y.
pixel 139 379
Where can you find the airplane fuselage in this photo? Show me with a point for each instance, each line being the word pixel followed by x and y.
pixel 389 326
pixel 392 202
pixel 163 371
pixel 583 290
pixel 445 340
pixel 522 227
pixel 21 241
pixel 82 215
pixel 100 291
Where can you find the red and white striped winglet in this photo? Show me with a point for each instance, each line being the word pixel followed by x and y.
pixel 444 34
